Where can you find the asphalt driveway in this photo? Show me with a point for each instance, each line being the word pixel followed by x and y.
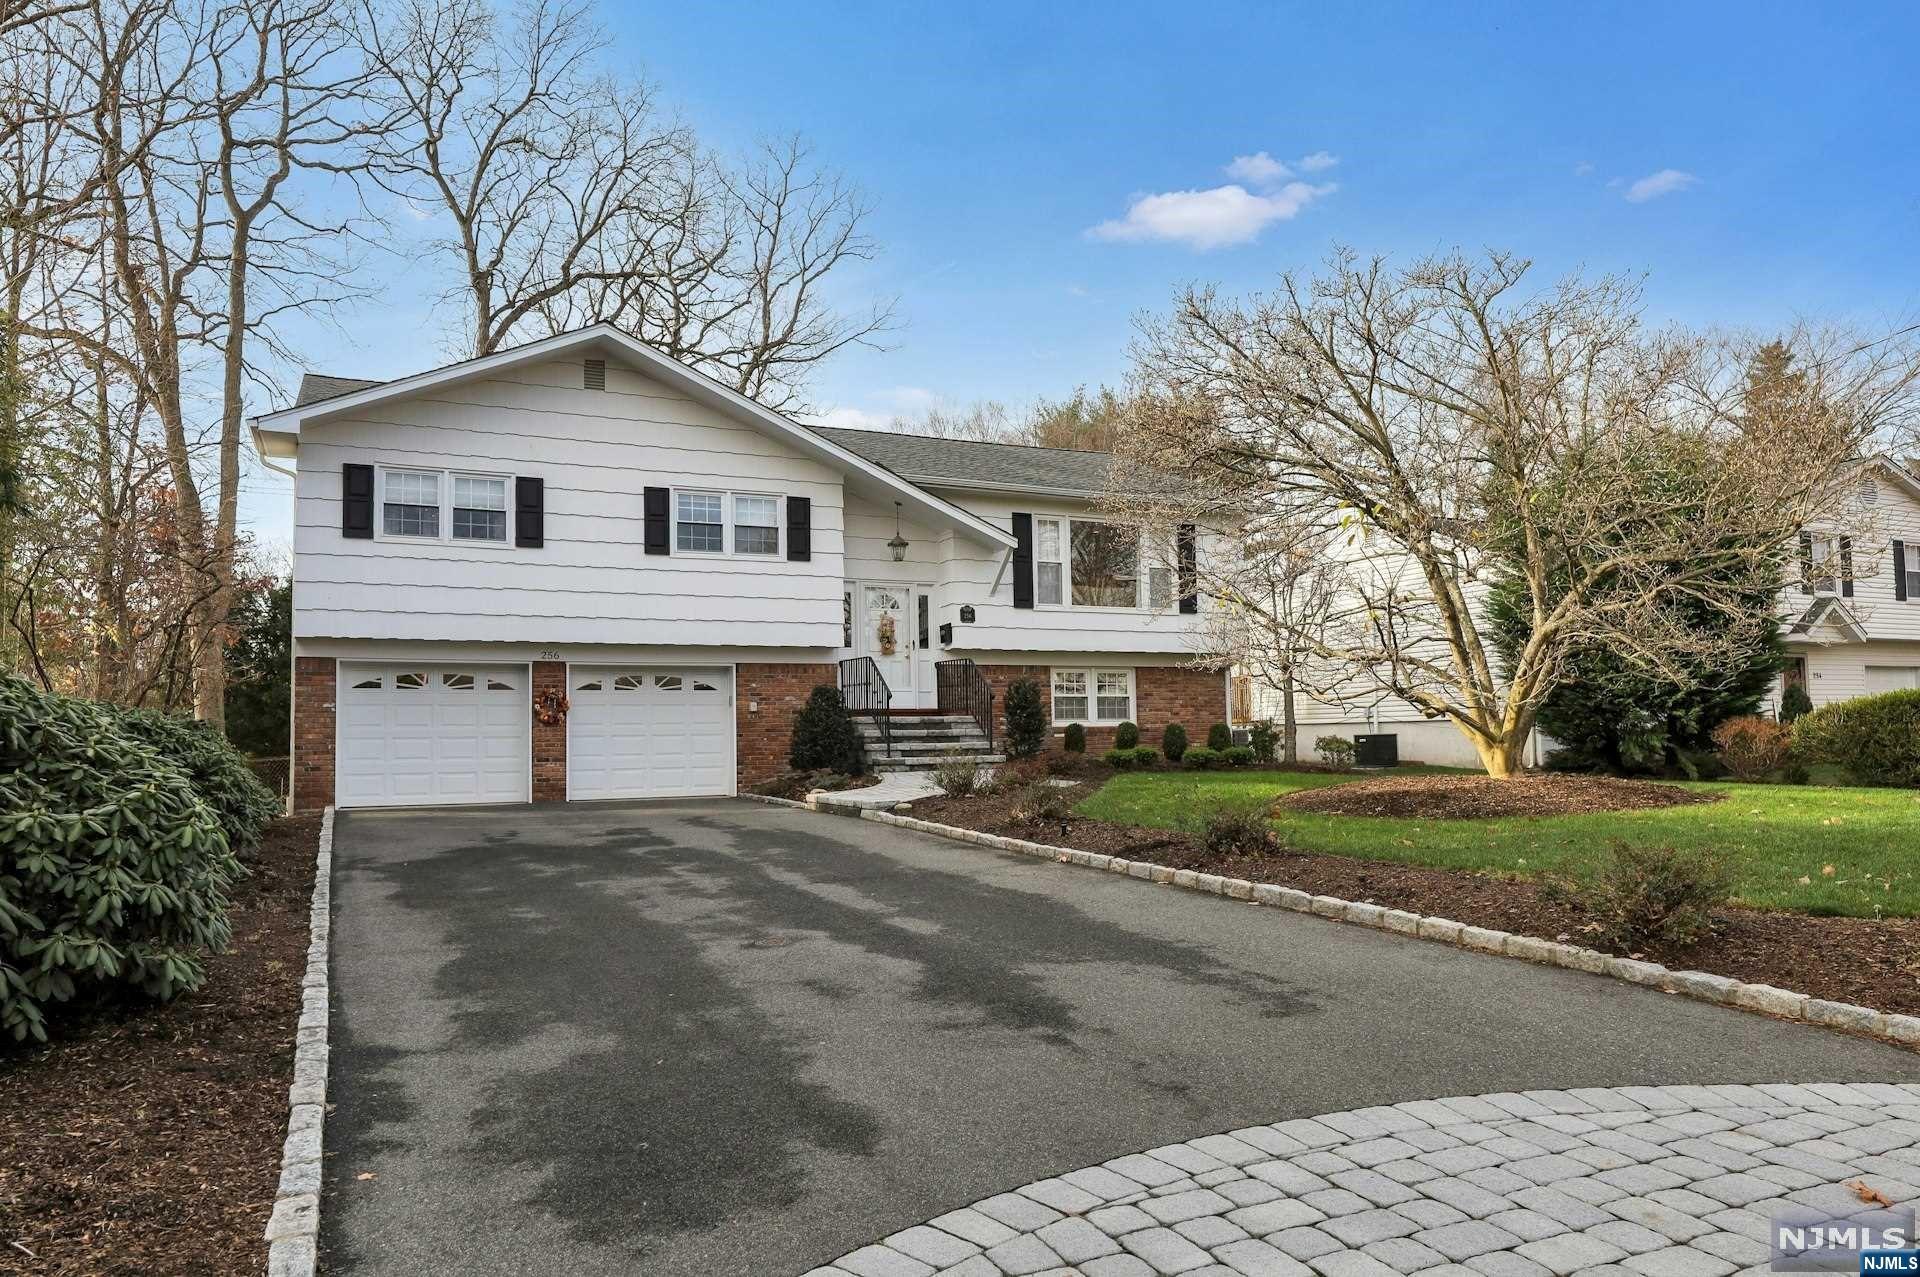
pixel 723 1039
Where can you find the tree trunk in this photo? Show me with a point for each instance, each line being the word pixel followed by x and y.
pixel 1503 756
pixel 1290 723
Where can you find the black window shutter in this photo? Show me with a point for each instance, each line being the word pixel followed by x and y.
pixel 356 501
pixel 1187 546
pixel 659 538
pixel 1023 560
pixel 800 529
pixel 529 512
pixel 1900 571
pixel 1846 567
pixel 1806 563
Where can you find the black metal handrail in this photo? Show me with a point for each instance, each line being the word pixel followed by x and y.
pixel 864 688
pixel 962 689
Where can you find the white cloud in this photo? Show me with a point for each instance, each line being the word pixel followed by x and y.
pixel 415 211
pixel 845 418
pixel 901 401
pixel 1318 162
pixel 1258 169
pixel 1583 168
pixel 1215 218
pixel 1654 185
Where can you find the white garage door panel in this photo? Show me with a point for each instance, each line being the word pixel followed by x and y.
pixel 425 735
pixel 1892 678
pixel 649 732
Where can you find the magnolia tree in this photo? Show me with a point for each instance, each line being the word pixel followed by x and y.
pixel 1433 428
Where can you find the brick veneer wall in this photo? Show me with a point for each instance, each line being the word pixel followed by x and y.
pixel 549 739
pixel 766 736
pixel 315 684
pixel 1162 694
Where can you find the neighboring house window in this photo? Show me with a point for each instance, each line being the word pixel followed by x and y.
pixel 1159 587
pixel 756 525
pixel 1092 696
pixel 410 503
pixel 438 505
pixel 697 525
pixel 1826 560
pixel 479 508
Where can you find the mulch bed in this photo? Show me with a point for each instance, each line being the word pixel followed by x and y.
pixel 147 1139
pixel 1868 962
pixel 795 786
pixel 1484 798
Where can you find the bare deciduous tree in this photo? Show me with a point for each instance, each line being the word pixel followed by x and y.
pixel 572 199
pixel 1444 424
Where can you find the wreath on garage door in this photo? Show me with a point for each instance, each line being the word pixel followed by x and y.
pixel 551 707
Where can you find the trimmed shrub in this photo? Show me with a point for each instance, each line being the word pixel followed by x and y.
pixel 1126 736
pixel 1794 703
pixel 1238 755
pixel 1240 829
pixel 1219 738
pixel 218 771
pixel 1264 738
pixel 1751 747
pixel 823 735
pixel 1643 896
pixel 959 776
pixel 1120 759
pixel 1199 758
pixel 1026 719
pixel 1335 751
pixel 1875 738
pixel 1145 755
pixel 1076 742
pixel 114 870
pixel 1044 805
pixel 1173 742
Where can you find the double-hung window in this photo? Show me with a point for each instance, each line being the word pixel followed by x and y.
pixel 1092 695
pixel 726 523
pixel 436 505
pixel 698 522
pixel 756 524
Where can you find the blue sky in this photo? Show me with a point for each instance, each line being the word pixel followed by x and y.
pixel 996 139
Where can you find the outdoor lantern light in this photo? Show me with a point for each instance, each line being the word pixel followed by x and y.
pixel 899 543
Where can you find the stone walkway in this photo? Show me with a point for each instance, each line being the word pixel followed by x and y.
pixel 1674 1181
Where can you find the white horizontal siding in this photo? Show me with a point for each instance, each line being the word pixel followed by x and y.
pixel 591 582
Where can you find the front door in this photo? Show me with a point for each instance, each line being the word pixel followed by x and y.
pixel 887 627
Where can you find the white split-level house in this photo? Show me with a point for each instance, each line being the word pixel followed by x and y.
pixel 578 569
pixel 1850 621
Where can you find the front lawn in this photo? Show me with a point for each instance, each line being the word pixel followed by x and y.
pixel 1818 850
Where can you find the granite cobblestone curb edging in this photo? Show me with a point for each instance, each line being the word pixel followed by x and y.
pixel 1631 1181
pixel 1785 1004
pixel 293 1231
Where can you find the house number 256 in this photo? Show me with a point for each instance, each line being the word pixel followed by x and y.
pixel 549 654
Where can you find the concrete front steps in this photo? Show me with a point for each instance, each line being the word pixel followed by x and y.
pixel 921 742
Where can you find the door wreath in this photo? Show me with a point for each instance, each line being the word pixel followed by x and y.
pixel 886 634
pixel 550 707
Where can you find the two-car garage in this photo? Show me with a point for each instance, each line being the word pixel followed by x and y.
pixel 424 734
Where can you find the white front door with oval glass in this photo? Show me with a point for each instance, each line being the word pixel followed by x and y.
pixel 887 636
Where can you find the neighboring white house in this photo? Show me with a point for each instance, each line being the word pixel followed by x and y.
pixel 578 569
pixel 1849 631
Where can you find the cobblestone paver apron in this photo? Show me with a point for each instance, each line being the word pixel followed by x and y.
pixel 1605 1182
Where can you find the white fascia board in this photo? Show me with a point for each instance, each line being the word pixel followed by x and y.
pixel 281 430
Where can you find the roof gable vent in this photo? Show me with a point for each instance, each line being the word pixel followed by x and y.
pixel 596 374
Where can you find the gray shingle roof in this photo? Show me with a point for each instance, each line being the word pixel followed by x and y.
pixel 919 459
pixel 315 386
pixel 933 462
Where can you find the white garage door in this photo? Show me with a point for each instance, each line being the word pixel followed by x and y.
pixel 428 735
pixel 1892 678
pixel 649 732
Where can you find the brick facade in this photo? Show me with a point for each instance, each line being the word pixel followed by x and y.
pixel 1163 694
pixel 549 739
pixel 315 684
pixel 765 734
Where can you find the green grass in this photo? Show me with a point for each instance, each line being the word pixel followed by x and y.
pixel 1781 837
